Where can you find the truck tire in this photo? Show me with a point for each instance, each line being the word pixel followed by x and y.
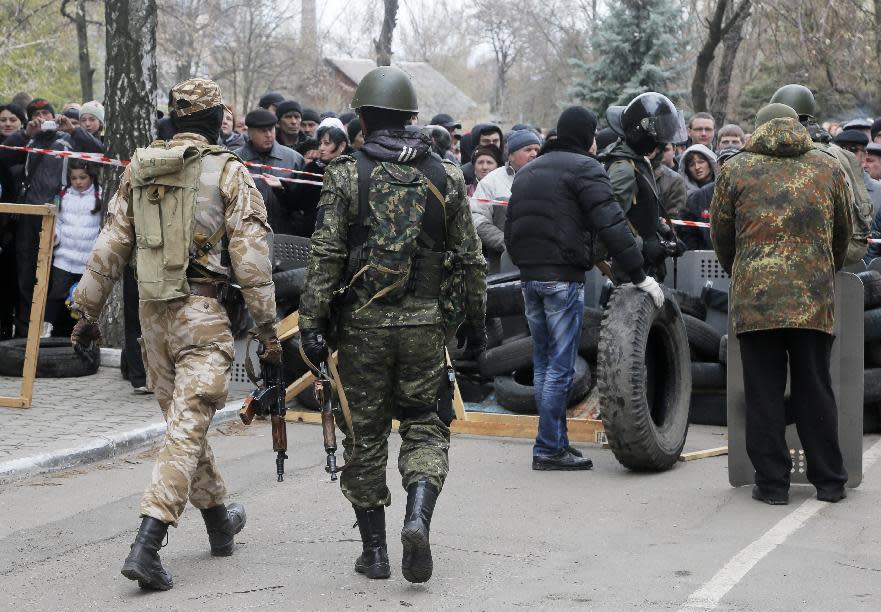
pixel 708 376
pixel 516 393
pixel 644 379
pixel 590 334
pixel 293 366
pixel 723 350
pixel 504 300
pixel 872 386
pixel 702 338
pixel 871 288
pixel 504 359
pixel 690 304
pixel 872 325
pixel 708 409
pixel 289 284
pixel 56 359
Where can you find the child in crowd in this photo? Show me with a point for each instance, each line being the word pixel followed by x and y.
pixel 76 229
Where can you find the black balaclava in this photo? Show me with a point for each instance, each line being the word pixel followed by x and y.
pixel 576 129
pixel 204 122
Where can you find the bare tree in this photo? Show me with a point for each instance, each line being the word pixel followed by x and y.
pixel 129 90
pixel 87 73
pixel 498 20
pixel 718 27
pixel 309 29
pixel 383 45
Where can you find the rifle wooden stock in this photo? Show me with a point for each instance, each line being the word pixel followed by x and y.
pixel 247 411
pixel 279 433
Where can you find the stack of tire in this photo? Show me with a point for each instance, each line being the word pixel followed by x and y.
pixel 708 350
pixel 506 366
pixel 872 354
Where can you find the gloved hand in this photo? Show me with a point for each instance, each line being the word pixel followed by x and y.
pixel 85 333
pixel 651 286
pixel 312 341
pixel 270 351
pixel 475 340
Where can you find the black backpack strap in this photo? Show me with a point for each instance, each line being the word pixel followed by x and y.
pixel 434 223
pixel 357 235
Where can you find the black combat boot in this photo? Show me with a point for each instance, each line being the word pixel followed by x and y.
pixel 373 561
pixel 223 523
pixel 142 563
pixel 416 564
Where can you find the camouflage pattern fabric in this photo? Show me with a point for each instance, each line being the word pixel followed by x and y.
pixel 780 222
pixel 861 202
pixel 392 372
pixel 187 342
pixel 187 351
pixel 337 209
pixel 194 95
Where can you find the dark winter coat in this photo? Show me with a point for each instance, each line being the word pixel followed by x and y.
pixel 280 205
pixel 83 141
pixel 43 175
pixel 697 208
pixel 558 202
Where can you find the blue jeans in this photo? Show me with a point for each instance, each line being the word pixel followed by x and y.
pixel 554 310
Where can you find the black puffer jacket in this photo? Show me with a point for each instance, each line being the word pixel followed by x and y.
pixel 558 203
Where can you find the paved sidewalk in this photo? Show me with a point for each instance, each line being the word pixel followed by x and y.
pixel 77 420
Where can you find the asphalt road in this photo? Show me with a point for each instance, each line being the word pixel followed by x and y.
pixel 504 537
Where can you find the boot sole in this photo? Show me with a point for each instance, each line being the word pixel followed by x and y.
pixel 134 571
pixel 418 550
pixel 544 467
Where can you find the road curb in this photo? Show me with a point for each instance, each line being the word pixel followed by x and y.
pixel 99 449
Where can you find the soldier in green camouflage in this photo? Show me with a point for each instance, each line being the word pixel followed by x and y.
pixel 780 224
pixel 801 100
pixel 394 231
pixel 187 342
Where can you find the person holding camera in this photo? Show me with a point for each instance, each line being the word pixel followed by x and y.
pixel 43 177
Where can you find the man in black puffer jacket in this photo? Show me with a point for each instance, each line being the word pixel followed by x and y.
pixel 558 202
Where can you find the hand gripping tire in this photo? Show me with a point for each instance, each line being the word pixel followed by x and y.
pixel 644 380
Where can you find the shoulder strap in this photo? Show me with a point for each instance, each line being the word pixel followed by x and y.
pixel 434 222
pixel 358 232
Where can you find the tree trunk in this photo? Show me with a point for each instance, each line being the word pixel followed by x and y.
pixel 705 58
pixel 309 30
pixel 731 44
pixel 129 103
pixel 87 73
pixel 383 45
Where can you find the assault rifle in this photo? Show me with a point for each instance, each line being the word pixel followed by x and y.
pixel 323 394
pixel 268 399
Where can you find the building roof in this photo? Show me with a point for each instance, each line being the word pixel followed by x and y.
pixel 433 91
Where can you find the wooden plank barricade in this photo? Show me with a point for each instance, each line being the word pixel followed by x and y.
pixel 38 301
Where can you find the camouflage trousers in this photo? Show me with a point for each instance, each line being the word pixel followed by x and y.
pixel 188 351
pixel 391 372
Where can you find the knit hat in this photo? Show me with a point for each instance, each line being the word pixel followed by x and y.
pixel 490 150
pixel 39 104
pixel 94 108
pixel 522 138
pixel 260 118
pixel 288 106
pixel 72 113
pixel 353 128
pixel 270 98
pixel 576 128
pixel 332 122
pixel 310 114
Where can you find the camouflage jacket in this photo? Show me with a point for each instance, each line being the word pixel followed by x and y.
pixel 861 202
pixel 780 221
pixel 246 231
pixel 337 209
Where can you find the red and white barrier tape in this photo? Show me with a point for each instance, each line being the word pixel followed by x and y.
pixel 103 159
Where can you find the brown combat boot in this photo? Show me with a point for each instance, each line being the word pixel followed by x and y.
pixel 223 523
pixel 373 561
pixel 416 564
pixel 142 563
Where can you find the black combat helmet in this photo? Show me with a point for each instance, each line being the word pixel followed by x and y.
pixel 386 87
pixel 649 120
pixel 797 97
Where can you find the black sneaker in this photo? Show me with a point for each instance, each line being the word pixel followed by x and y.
pixel 564 461
pixel 574 451
pixel 833 496
pixel 773 499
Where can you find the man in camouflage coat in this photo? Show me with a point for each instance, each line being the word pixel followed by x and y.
pixel 780 224
pixel 187 343
pixel 391 344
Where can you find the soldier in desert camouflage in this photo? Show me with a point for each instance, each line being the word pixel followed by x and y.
pixel 187 344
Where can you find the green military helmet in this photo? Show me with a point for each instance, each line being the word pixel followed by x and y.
pixel 775 110
pixel 386 87
pixel 797 97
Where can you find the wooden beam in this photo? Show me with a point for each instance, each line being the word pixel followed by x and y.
pixel 29 209
pixel 289 326
pixel 703 454
pixel 298 386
